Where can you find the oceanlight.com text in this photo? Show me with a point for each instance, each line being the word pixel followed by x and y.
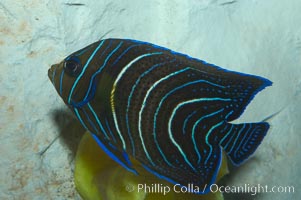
pixel 252 189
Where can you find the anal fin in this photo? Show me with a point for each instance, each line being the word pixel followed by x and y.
pixel 121 158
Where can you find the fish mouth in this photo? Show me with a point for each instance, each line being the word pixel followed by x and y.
pixel 51 72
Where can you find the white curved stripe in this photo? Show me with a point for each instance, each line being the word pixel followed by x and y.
pixel 143 105
pixel 172 116
pixel 114 88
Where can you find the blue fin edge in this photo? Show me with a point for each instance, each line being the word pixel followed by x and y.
pixel 115 158
pixel 266 81
pixel 204 190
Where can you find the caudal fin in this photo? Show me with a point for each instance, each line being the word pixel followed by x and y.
pixel 241 140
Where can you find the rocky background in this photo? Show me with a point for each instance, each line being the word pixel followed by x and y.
pixel 38 136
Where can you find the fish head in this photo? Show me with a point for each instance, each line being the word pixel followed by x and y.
pixel 73 77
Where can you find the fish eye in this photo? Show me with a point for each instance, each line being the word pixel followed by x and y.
pixel 72 66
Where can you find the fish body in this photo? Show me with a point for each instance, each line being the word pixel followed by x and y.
pixel 169 111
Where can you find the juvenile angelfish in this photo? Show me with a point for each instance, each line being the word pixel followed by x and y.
pixel 168 111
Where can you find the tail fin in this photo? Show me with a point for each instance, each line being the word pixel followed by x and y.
pixel 241 140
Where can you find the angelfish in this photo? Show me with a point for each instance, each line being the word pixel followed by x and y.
pixel 169 111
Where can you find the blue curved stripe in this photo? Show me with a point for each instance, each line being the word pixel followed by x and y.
pixel 225 136
pixel 173 114
pixel 169 124
pixel 98 121
pixel 242 140
pixel 237 137
pixel 121 73
pixel 193 131
pixel 186 121
pixel 207 142
pixel 83 71
pixel 169 93
pixel 232 136
pixel 156 113
pixel 122 54
pixel 89 120
pixel 99 71
pixel 250 136
pixel 110 131
pixel 206 186
pixel 225 127
pixel 131 95
pixel 79 118
pixel 229 114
